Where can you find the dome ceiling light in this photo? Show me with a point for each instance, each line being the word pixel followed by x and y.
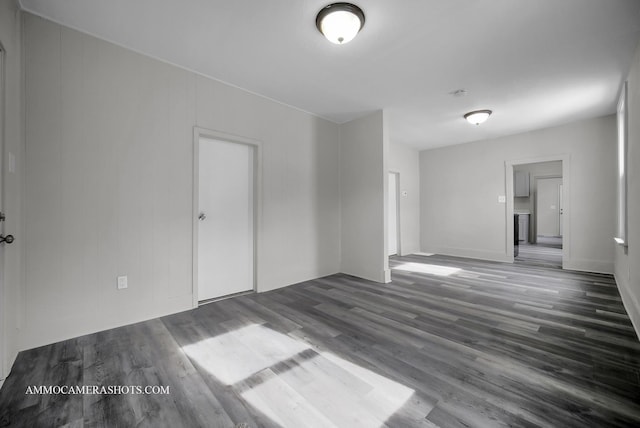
pixel 477 117
pixel 340 22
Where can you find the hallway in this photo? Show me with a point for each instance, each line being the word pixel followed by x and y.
pixel 547 252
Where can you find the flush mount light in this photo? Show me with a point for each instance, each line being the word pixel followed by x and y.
pixel 478 116
pixel 340 22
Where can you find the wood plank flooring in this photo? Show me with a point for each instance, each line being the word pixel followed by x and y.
pixel 549 256
pixel 451 342
pixel 546 252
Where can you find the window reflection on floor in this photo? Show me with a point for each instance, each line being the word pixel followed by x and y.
pixel 427 268
pixel 234 356
pixel 293 384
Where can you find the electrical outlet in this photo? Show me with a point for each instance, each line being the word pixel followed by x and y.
pixel 122 282
pixel 502 199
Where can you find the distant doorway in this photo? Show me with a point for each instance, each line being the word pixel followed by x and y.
pixel 538 210
pixel 392 215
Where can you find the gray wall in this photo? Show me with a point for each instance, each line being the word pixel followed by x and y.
pixel 406 161
pixel 627 263
pixel 109 184
pixel 363 196
pixel 460 185
pixel 10 38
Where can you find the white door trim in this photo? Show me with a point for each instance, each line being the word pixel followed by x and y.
pixel 199 133
pixel 3 336
pixel 566 217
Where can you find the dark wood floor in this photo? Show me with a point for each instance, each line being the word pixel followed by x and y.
pixel 543 254
pixel 450 342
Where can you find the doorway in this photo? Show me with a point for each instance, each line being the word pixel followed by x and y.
pixel 393 217
pixel 225 211
pixel 538 214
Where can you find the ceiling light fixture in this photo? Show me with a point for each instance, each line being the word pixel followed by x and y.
pixel 340 22
pixel 478 116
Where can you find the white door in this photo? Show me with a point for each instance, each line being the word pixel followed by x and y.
pixel 548 206
pixel 226 218
pixel 561 207
pixel 392 215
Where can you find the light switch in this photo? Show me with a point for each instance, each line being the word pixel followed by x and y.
pixel 502 199
pixel 122 282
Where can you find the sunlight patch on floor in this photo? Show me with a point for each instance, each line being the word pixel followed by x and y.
pixel 238 354
pixel 327 391
pixel 427 268
pixel 285 380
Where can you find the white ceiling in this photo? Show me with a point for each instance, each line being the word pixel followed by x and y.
pixel 535 63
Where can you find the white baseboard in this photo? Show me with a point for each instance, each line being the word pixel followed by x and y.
pixel 375 276
pixel 630 302
pixel 594 266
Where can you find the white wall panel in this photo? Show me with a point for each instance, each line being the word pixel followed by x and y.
pixel 363 184
pixel 109 157
pixel 627 261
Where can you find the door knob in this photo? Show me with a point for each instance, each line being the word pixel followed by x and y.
pixel 202 216
pixel 6 239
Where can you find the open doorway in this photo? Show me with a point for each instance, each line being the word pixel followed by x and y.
pixel 538 214
pixel 393 215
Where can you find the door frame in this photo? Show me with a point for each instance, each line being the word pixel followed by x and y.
pixel 199 133
pixel 398 221
pixel 566 217
pixel 3 177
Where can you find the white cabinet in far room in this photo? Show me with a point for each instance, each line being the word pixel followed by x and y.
pixel 521 184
